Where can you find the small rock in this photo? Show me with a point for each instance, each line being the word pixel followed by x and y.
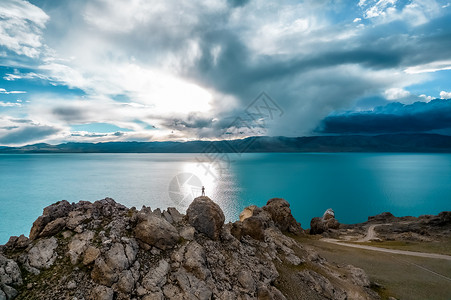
pixel 91 255
pixel 293 259
pixel 187 233
pixel 71 285
pixel 102 293
pixel 246 281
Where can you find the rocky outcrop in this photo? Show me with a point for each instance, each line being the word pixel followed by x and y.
pixel 326 223
pixel 103 250
pixel 384 217
pixel 280 212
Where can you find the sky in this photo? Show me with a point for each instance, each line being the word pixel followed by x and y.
pixel 145 70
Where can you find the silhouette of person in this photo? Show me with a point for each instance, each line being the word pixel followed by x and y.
pixel 203 191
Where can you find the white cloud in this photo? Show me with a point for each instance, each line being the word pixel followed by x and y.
pixel 445 95
pixel 415 12
pixel 356 20
pixel 3 91
pixel 430 67
pixel 21 25
pixel 9 104
pixel 426 98
pixel 396 93
pixel 17 75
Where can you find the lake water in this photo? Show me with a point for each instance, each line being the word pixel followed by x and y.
pixel 355 185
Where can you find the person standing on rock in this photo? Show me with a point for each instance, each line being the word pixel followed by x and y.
pixel 203 191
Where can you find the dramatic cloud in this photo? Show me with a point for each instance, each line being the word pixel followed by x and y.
pixel 15 135
pixel 171 70
pixel 394 117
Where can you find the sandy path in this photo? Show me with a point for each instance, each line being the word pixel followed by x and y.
pixel 393 251
pixel 371 233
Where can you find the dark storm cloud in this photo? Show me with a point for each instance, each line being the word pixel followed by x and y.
pixel 394 117
pixel 27 134
pixel 236 3
pixel 69 113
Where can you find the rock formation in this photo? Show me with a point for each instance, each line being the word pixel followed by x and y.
pixel 104 250
pixel 325 223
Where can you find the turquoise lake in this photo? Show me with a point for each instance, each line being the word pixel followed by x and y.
pixel 355 185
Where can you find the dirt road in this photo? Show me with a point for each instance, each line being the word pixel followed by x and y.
pixel 393 251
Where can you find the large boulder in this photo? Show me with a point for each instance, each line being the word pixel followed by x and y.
pixel 157 232
pixel 206 216
pixel 280 212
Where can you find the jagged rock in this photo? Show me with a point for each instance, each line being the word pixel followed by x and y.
pixel 103 274
pixel 206 216
pixel 247 212
pixel 176 216
pixel 91 255
pixel 116 259
pixel 75 218
pixel 58 210
pixel 327 222
pixel 157 232
pixel 126 282
pixel 10 277
pixel 293 259
pixel 384 217
pixel 191 285
pixel 445 217
pixel 157 277
pixel 280 212
pixel 254 227
pixel 7 292
pixel 188 233
pixel 167 216
pixel 42 255
pixel 53 227
pixel 196 261
pixel 358 276
pixel 18 242
pixel 139 255
pixel 321 285
pixel 329 214
pixel 247 282
pixel 78 245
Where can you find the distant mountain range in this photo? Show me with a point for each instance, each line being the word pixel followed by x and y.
pixel 344 143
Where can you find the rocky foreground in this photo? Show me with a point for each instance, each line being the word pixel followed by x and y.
pixel 104 250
